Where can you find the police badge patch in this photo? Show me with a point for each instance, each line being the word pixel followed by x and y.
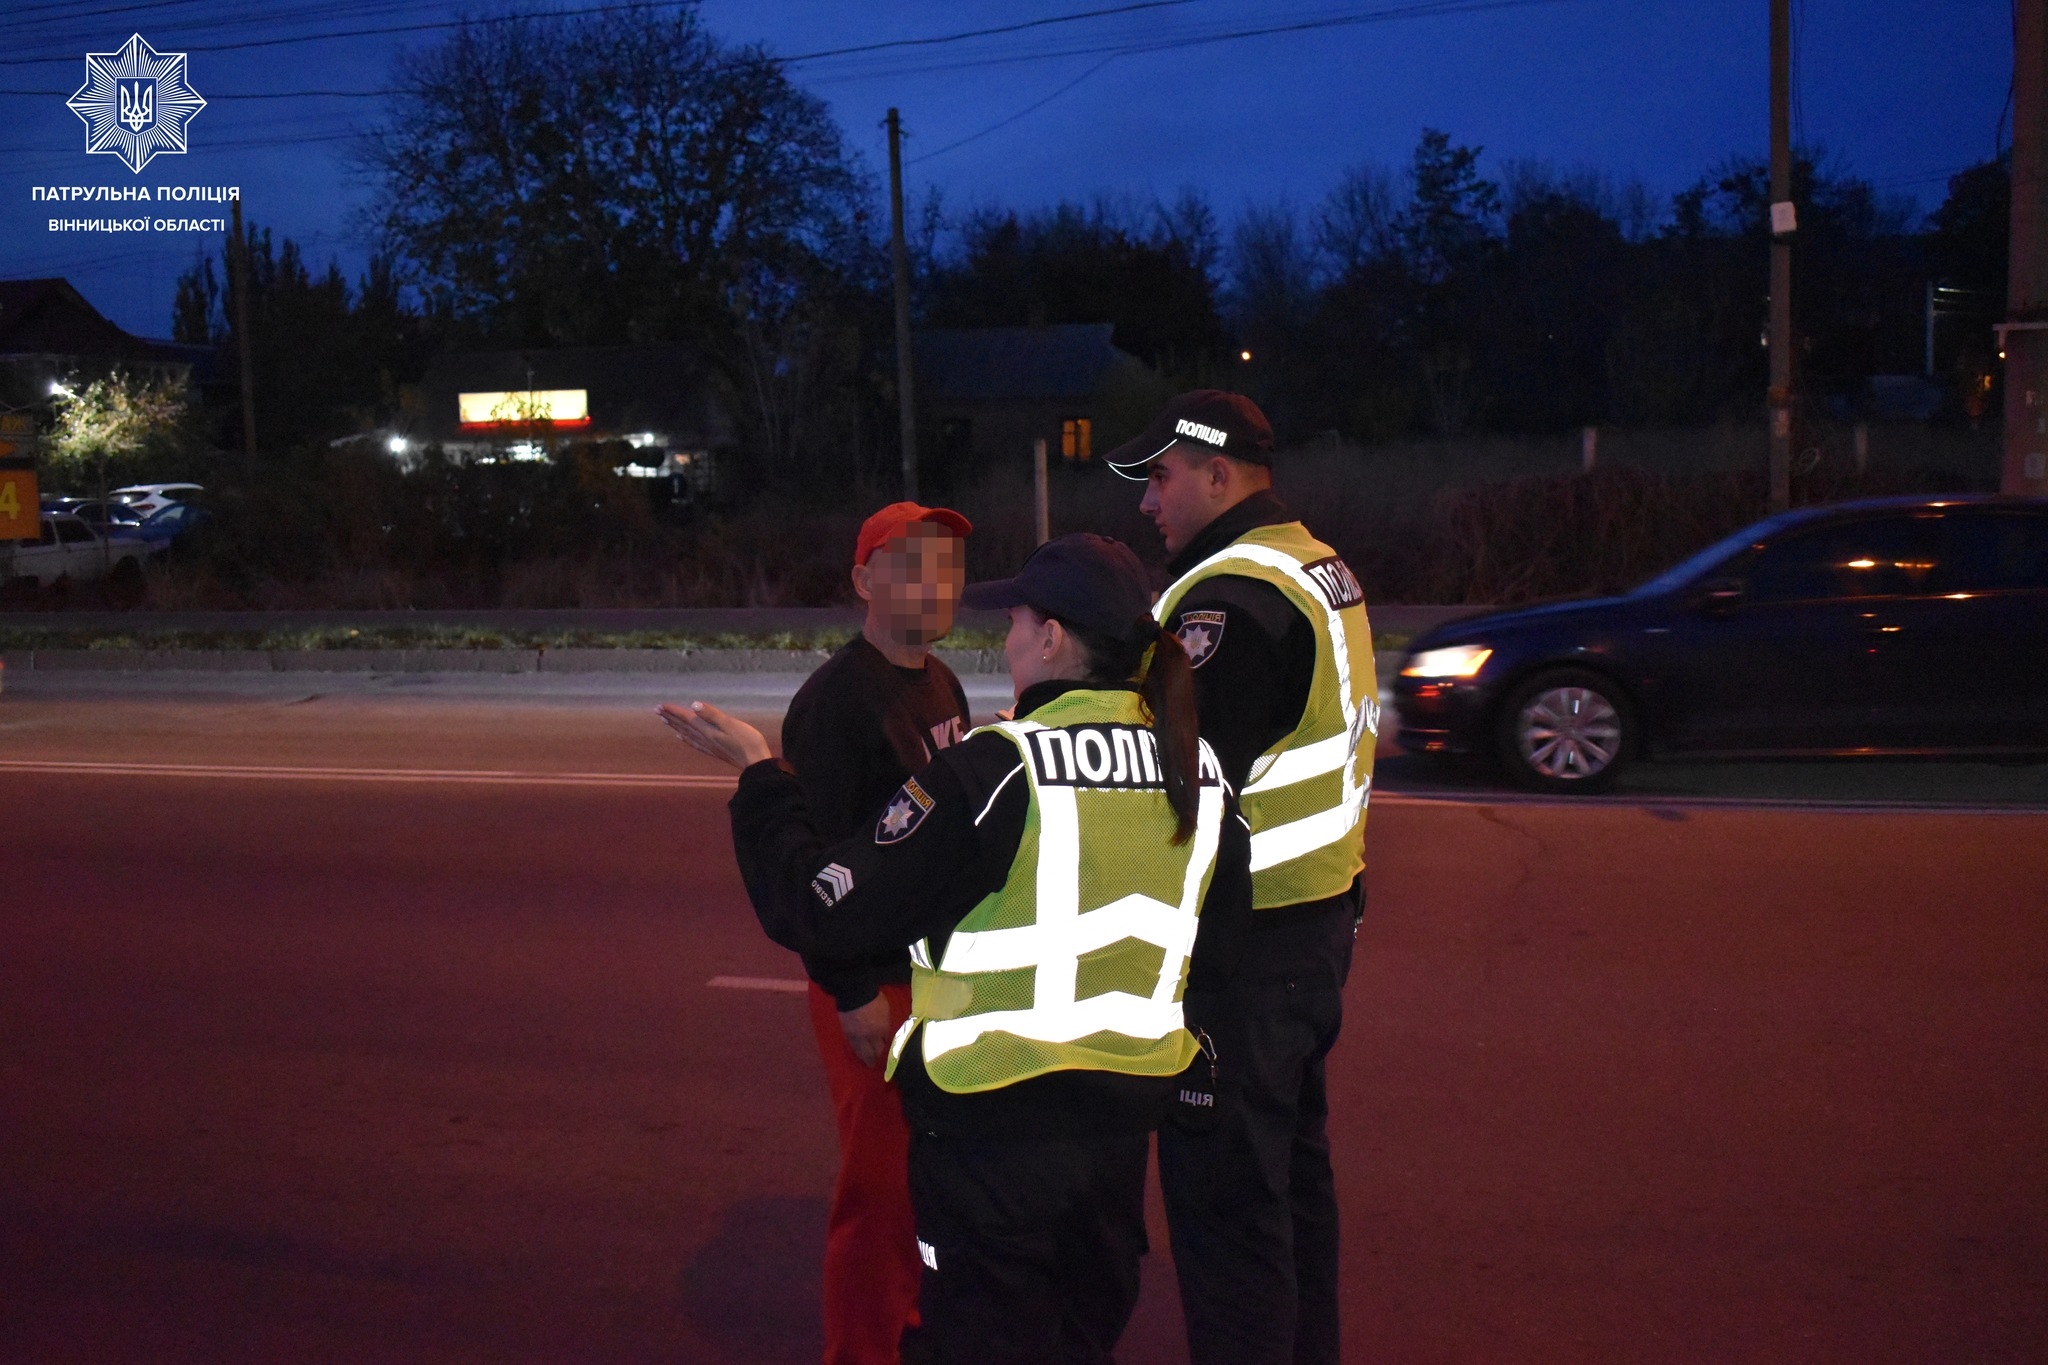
pixel 905 813
pixel 1200 633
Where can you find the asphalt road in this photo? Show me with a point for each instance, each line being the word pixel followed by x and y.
pixel 376 1022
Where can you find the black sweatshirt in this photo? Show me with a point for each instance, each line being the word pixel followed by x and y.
pixel 856 729
pixel 861 896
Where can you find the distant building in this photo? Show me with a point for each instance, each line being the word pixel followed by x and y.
pixel 653 400
pixel 986 393
pixel 49 334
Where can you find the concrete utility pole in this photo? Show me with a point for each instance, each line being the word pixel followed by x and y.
pixel 1041 499
pixel 899 256
pixel 238 280
pixel 1783 224
pixel 2022 337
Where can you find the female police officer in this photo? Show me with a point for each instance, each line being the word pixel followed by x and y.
pixel 1057 877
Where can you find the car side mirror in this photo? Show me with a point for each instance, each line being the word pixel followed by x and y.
pixel 1720 596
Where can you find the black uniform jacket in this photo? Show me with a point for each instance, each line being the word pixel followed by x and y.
pixel 1257 659
pixel 854 731
pixel 1257 662
pixel 923 861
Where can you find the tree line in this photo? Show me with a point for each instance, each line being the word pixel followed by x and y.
pixel 628 177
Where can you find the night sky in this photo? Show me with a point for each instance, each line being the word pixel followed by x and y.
pixel 1901 92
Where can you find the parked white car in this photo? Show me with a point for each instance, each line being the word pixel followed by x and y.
pixel 70 550
pixel 151 497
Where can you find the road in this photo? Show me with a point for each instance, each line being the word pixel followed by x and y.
pixel 376 1023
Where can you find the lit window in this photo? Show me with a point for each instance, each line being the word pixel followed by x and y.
pixel 1077 438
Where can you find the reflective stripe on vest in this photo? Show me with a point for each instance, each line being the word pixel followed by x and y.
pixel 1035 979
pixel 1314 855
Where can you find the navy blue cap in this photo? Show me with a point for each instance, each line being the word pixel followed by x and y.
pixel 1086 580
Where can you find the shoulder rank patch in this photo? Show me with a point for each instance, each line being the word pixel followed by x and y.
pixel 832 884
pixel 1200 633
pixel 1338 584
pixel 907 810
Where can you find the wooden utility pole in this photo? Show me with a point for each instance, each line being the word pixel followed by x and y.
pixel 899 257
pixel 2022 337
pixel 238 280
pixel 1783 224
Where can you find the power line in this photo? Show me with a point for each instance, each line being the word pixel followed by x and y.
pixel 823 54
pixel 1027 109
pixel 385 31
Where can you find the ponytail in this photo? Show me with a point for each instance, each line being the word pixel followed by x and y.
pixel 1168 691
pixel 1152 655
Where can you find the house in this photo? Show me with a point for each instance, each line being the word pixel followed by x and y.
pixel 986 393
pixel 492 405
pixel 49 334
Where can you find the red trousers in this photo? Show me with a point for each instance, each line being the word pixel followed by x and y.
pixel 871 1265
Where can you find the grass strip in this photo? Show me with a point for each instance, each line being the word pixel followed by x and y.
pixel 16 638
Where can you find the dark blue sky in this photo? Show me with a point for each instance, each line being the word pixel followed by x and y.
pixel 1903 92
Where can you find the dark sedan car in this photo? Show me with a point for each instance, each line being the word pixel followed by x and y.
pixel 1914 625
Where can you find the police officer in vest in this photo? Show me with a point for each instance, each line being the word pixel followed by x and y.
pixel 1274 625
pixel 1060 880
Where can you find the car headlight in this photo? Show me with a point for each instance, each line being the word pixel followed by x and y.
pixel 1455 661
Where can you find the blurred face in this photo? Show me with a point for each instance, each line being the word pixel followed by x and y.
pixel 912 583
pixel 1183 496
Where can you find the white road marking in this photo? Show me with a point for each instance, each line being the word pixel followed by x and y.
pixel 760 983
pixel 716 782
pixel 478 777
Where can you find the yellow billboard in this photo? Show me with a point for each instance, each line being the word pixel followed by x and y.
pixel 522 408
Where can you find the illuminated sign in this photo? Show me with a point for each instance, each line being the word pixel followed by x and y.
pixel 530 407
pixel 19 508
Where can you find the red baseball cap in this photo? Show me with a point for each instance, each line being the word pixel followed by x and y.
pixel 890 521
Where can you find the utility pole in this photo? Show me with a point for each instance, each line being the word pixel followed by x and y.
pixel 1041 498
pixel 1783 224
pixel 238 280
pixel 1929 359
pixel 2021 336
pixel 899 257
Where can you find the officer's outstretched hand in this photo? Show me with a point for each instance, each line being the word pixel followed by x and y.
pixel 725 737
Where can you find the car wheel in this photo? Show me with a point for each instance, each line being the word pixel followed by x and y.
pixel 1566 730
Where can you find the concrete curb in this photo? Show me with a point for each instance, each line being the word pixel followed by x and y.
pixel 452 660
pixel 560 662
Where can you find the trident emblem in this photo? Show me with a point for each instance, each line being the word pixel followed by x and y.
pixel 138 104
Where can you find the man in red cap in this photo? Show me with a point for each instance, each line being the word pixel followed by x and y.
pixel 870 717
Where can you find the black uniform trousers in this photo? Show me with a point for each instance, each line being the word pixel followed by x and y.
pixel 1030 1244
pixel 1251 1202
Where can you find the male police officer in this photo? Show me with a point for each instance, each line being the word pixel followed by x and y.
pixel 1275 625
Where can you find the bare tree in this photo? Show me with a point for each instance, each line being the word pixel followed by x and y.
pixel 626 177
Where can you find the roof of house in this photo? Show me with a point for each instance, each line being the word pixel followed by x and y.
pixel 982 364
pixel 49 317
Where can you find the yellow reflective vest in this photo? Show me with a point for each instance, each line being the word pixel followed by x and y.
pixel 1305 797
pixel 1079 960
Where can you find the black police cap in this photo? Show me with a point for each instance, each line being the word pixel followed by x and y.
pixel 1086 580
pixel 1207 420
